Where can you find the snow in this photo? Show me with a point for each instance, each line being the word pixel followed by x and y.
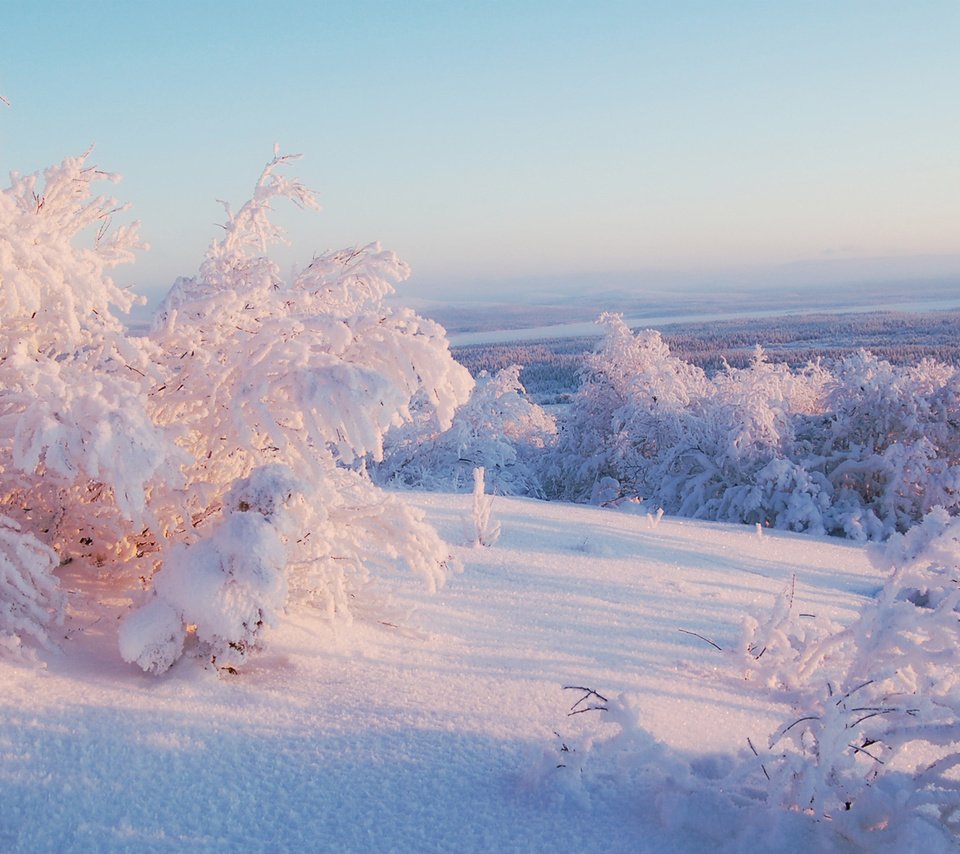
pixel 434 724
pixel 666 317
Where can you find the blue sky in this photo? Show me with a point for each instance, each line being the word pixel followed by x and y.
pixel 497 146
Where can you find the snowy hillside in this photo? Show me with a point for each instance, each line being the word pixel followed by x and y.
pixel 438 723
pixel 194 524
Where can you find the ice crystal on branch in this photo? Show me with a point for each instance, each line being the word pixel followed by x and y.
pixel 30 599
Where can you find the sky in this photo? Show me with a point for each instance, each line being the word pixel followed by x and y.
pixel 501 146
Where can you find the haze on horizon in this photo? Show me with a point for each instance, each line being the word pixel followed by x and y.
pixel 504 147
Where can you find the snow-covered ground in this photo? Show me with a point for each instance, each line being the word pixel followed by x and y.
pixel 656 320
pixel 436 721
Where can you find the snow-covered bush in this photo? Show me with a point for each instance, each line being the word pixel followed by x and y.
pixel 126 453
pixel 889 445
pixel 604 751
pixel 731 462
pixel 225 588
pixel 82 466
pixel 644 423
pixel 30 598
pixel 498 429
pixel 633 405
pixel 311 374
pixel 876 741
pixel 772 645
pixel 862 452
pixel 869 758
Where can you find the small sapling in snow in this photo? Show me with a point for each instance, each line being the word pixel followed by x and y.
pixel 485 531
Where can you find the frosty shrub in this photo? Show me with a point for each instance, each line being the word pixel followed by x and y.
pixel 30 599
pixel 889 445
pixel 127 453
pixel 227 586
pixel 874 745
pixel 83 468
pixel 862 452
pixel 310 373
pixel 772 645
pixel 869 759
pixel 498 429
pixel 633 404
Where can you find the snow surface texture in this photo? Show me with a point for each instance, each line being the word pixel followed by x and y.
pixel 440 723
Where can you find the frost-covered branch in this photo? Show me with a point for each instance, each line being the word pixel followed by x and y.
pixel 30 598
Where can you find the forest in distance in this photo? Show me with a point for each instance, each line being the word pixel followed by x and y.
pixel 550 368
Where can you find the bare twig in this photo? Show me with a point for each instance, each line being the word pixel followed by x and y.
pixel 588 693
pixel 871 713
pixel 789 727
pixel 714 645
pixel 865 753
pixel 854 691
pixel 762 766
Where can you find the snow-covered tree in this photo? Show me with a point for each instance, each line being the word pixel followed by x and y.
pixel 308 374
pixel 632 405
pixel 499 429
pixel 83 469
pixel 890 444
pixel 128 453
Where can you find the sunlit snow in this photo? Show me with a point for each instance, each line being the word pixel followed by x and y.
pixel 439 723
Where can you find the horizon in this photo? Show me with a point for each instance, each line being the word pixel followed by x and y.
pixel 505 148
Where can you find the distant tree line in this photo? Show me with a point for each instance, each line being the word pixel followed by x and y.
pixel 551 369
